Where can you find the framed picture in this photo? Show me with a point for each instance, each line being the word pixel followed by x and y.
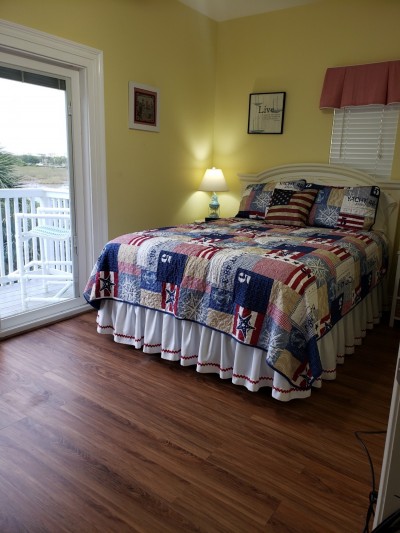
pixel 144 107
pixel 266 111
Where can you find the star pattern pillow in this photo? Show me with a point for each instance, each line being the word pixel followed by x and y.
pixel 255 200
pixel 257 197
pixel 344 207
pixel 290 208
pixel 326 209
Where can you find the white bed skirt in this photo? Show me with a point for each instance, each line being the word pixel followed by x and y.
pixel 211 351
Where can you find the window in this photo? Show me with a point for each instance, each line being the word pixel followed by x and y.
pixel 364 137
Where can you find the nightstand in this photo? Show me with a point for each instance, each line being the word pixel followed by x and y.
pixel 395 311
pixel 206 219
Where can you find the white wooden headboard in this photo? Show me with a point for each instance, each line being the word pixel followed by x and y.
pixel 388 209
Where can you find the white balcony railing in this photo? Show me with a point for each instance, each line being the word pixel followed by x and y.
pixel 26 201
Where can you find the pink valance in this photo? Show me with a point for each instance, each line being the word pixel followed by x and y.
pixel 375 83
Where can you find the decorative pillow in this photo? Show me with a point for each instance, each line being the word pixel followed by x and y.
pixel 344 207
pixel 255 200
pixel 359 207
pixel 326 209
pixel 297 185
pixel 257 197
pixel 290 208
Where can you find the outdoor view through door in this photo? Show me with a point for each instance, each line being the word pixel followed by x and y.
pixel 36 254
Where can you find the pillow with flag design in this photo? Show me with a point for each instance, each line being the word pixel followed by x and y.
pixel 358 209
pixel 257 197
pixel 290 208
pixel 344 207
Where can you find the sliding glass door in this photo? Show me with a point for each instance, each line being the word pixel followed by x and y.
pixel 37 260
pixel 39 272
pixel 53 204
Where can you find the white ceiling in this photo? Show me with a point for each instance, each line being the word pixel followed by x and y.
pixel 221 10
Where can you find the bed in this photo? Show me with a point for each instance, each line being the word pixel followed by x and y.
pixel 275 297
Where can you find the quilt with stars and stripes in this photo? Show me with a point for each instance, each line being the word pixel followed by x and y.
pixel 278 288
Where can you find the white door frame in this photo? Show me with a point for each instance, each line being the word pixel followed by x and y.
pixel 85 68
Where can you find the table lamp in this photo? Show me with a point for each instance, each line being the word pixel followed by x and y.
pixel 213 181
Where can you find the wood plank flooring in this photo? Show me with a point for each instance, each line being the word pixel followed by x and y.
pixel 96 436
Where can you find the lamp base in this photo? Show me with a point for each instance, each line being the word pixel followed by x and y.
pixel 214 207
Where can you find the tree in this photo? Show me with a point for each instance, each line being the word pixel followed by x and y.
pixel 8 179
pixel 29 159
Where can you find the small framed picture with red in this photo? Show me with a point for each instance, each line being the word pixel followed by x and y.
pixel 144 107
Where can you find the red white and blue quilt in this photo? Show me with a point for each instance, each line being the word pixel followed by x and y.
pixel 278 288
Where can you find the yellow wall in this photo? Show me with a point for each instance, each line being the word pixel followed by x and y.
pixel 150 176
pixel 205 72
pixel 290 51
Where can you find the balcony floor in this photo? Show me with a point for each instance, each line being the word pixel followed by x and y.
pixel 10 297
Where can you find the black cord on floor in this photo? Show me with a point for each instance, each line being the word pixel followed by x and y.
pixel 373 495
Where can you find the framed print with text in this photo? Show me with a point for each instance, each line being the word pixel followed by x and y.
pixel 144 107
pixel 266 112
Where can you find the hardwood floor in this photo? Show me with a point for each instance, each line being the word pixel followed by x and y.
pixel 96 436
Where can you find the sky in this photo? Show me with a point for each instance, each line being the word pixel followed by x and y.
pixel 32 119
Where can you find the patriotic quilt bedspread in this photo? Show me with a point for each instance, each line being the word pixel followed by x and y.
pixel 278 288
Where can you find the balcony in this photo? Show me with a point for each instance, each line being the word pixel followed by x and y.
pixel 25 201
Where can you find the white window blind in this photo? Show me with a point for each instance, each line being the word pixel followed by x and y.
pixel 364 138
